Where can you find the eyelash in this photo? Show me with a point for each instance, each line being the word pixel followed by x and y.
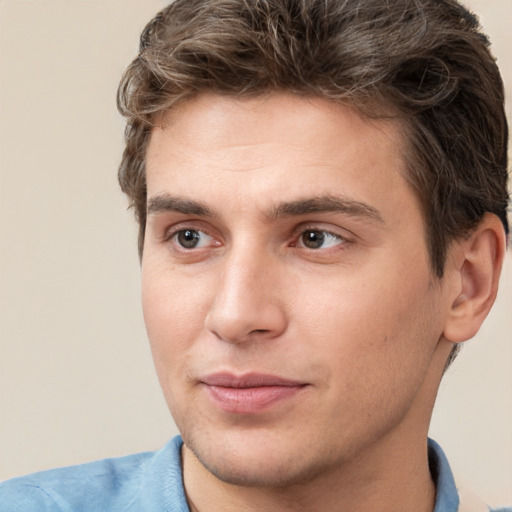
pixel 189 231
pixel 171 236
pixel 325 235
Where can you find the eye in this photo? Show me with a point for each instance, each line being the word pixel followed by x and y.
pixel 192 239
pixel 318 239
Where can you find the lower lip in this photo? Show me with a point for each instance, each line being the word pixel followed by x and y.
pixel 250 400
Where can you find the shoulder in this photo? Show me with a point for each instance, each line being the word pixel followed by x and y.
pixel 90 485
pixel 124 483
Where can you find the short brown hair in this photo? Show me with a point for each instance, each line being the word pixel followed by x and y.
pixel 425 62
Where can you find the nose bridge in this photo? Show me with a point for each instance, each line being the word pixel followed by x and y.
pixel 246 302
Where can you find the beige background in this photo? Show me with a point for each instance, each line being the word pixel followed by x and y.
pixel 76 378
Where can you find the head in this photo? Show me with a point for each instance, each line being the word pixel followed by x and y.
pixel 226 93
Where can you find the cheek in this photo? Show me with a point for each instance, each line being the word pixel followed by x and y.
pixel 173 313
pixel 173 322
pixel 370 322
pixel 377 346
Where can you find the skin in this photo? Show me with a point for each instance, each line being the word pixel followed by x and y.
pixel 358 319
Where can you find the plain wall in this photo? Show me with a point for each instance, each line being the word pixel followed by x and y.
pixel 76 377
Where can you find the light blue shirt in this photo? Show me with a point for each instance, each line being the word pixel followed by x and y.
pixel 150 482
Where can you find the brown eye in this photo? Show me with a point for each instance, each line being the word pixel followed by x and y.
pixel 188 238
pixel 313 239
pixel 320 239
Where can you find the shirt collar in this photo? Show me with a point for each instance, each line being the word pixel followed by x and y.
pixel 447 497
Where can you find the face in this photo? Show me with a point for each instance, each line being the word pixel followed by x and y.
pixel 289 302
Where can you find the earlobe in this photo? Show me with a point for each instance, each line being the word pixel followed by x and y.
pixel 478 275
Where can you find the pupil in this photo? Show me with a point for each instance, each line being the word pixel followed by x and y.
pixel 313 239
pixel 188 238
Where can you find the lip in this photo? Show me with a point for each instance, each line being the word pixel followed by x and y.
pixel 249 393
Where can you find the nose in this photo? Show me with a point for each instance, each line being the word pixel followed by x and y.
pixel 248 304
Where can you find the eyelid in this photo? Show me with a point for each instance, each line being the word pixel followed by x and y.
pixel 344 239
pixel 202 243
pixel 167 236
pixel 185 254
pixel 193 225
pixel 329 243
pixel 168 233
pixel 336 231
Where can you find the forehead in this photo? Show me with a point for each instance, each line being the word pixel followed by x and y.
pixel 280 147
pixel 278 132
pixel 214 109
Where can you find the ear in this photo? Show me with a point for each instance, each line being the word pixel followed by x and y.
pixel 478 261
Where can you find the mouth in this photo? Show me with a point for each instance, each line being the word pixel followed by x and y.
pixel 249 393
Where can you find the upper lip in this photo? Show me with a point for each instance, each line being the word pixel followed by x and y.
pixel 247 380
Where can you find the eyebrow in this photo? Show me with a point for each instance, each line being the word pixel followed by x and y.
pixel 322 204
pixel 326 204
pixel 167 203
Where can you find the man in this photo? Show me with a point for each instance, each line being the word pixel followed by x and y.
pixel 321 190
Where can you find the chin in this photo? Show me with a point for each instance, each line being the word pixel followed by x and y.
pixel 259 473
pixel 256 462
